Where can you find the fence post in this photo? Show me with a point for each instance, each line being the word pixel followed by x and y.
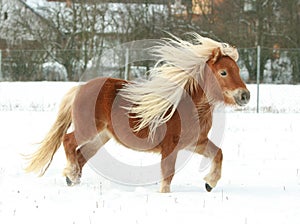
pixel 1 76
pixel 258 78
pixel 126 64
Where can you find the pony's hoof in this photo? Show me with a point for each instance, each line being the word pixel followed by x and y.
pixel 69 182
pixel 208 187
pixel 165 189
pixel 72 182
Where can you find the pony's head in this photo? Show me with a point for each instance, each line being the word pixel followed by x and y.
pixel 181 68
pixel 204 62
pixel 223 81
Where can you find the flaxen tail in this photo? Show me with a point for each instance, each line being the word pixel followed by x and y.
pixel 42 158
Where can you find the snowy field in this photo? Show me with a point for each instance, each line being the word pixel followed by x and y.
pixel 260 182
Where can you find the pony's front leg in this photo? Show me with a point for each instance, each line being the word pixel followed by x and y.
pixel 211 151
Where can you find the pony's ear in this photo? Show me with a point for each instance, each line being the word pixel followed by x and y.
pixel 216 55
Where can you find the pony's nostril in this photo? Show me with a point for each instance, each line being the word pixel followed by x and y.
pixel 245 96
pixel 242 97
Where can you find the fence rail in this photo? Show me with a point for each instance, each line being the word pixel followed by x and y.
pixel 275 66
pixel 258 65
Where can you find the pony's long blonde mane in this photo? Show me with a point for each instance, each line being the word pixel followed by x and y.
pixel 180 64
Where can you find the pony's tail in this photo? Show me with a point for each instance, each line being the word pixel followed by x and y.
pixel 42 158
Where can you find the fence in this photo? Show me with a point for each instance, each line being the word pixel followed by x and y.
pixel 38 65
pixel 258 65
pixel 276 66
pixel 262 65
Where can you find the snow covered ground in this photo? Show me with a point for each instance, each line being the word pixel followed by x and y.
pixel 260 182
pixel 45 96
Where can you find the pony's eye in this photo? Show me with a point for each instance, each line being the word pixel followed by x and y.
pixel 223 73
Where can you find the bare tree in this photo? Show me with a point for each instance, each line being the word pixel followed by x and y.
pixel 74 35
pixel 78 35
pixel 71 36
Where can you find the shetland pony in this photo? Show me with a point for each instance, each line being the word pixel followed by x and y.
pixel 170 111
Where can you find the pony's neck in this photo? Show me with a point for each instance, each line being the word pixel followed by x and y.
pixel 201 101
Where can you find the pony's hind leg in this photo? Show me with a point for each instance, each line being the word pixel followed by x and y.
pixel 77 159
pixel 88 150
pixel 211 151
pixel 168 161
pixel 72 170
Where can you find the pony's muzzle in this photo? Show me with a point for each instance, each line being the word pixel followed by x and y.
pixel 242 97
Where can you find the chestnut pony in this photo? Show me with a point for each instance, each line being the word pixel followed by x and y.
pixel 170 111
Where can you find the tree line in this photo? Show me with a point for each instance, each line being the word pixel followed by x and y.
pixel 73 36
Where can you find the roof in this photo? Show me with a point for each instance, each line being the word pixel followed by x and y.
pixel 160 2
pixel 39 14
pixel 112 12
